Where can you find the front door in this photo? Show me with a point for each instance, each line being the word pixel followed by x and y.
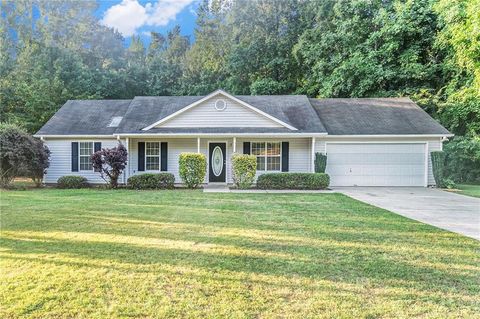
pixel 217 162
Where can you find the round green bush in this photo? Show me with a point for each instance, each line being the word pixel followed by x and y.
pixel 192 168
pixel 151 181
pixel 244 168
pixel 307 181
pixel 72 182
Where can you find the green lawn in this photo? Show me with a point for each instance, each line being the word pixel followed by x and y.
pixel 108 254
pixel 469 190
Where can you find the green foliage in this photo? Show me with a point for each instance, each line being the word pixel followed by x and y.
pixel 320 162
pixel 21 155
pixel 312 181
pixel 192 169
pixel 463 159
pixel 438 167
pixel 72 182
pixel 449 183
pixel 244 168
pixel 151 181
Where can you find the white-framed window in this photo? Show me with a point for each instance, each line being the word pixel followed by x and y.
pixel 152 156
pixel 269 155
pixel 85 150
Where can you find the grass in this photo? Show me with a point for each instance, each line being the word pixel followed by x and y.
pixel 112 254
pixel 469 190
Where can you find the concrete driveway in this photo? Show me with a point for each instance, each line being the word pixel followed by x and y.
pixel 453 212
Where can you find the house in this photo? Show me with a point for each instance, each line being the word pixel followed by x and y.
pixel 368 141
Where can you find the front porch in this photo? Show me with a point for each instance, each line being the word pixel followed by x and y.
pixel 154 154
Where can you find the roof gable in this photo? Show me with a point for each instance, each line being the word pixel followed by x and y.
pixel 219 109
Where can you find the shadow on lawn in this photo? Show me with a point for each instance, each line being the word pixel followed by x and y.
pixel 330 262
pixel 310 237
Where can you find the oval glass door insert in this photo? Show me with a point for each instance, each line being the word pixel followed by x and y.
pixel 217 161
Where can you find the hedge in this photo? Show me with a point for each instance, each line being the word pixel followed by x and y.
pixel 192 168
pixel 72 182
pixel 310 181
pixel 438 167
pixel 320 163
pixel 151 181
pixel 244 168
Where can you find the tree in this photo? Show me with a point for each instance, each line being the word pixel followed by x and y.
pixel 110 163
pixel 21 155
pixel 374 48
pixel 37 166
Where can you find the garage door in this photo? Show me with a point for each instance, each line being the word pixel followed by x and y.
pixel 365 164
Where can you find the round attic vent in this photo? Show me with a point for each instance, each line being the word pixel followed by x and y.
pixel 220 105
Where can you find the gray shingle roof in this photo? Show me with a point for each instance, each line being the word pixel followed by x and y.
pixel 375 116
pixel 85 117
pixel 335 116
pixel 294 110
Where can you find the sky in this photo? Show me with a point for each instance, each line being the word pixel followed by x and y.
pixel 139 17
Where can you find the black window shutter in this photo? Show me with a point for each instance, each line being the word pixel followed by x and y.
pixel 74 156
pixel 141 156
pixel 246 147
pixel 285 151
pixel 97 146
pixel 164 156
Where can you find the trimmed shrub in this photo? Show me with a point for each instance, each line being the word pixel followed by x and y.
pixel 244 169
pixel 320 162
pixel 438 167
pixel 72 181
pixel 151 181
pixel 311 181
pixel 192 169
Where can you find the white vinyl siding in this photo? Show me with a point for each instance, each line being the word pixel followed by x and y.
pixel 205 115
pixel 299 152
pixel 175 147
pixel 61 159
pixel 432 146
pixel 299 158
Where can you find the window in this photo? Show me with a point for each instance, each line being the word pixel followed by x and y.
pixel 85 151
pixel 268 155
pixel 152 156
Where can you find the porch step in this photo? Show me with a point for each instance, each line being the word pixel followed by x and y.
pixel 216 188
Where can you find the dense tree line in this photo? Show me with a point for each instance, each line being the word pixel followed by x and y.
pixel 52 51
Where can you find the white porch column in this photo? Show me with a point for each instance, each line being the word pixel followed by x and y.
pixel 234 144
pixel 198 144
pixel 126 173
pixel 313 154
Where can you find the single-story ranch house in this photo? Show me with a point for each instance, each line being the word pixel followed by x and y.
pixel 368 141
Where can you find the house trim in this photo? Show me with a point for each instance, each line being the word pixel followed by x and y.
pixel 188 107
pixel 390 135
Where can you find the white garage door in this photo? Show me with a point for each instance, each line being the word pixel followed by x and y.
pixel 369 164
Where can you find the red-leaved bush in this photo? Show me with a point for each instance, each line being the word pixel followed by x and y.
pixel 110 163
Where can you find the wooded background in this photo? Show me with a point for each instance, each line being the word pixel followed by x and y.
pixel 429 50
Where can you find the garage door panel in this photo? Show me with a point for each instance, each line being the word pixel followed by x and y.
pixel 376 164
pixel 376 158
